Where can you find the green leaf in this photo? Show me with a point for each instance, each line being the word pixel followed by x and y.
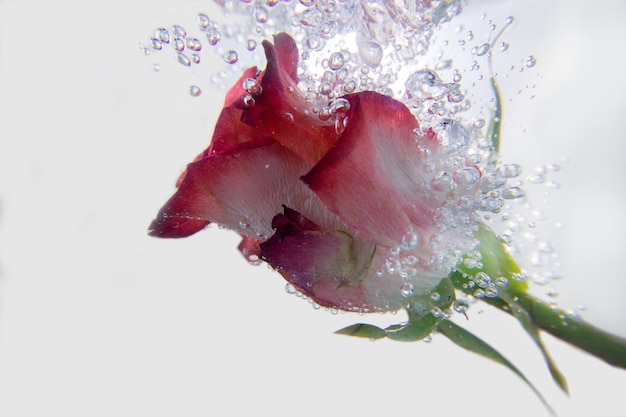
pixel 414 330
pixel 368 331
pixel 531 328
pixel 469 341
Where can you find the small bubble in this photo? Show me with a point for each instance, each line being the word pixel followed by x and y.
pixel 511 193
pixel 252 86
pixel 248 100
pixel 482 279
pixel 179 31
pixel 504 46
pixel 213 36
pixel 482 49
pixel 179 44
pixel 501 282
pixel 195 58
pixel 336 61
pixel 509 20
pixel 349 87
pixel 156 67
pixel 156 44
pixel 194 44
pixel 251 45
pixel 531 61
pixel 479 123
pixel 203 21
pixel 183 59
pixel 457 77
pixel 436 311
pixel 144 50
pixel 260 14
pixel 339 106
pixel 435 296
pixel 461 305
pixel 231 57
pixel 162 34
pixel 509 170
pixel 407 290
pixel 371 53
pixel 290 289
pixel 194 91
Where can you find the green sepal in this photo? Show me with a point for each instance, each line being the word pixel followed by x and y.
pixel 472 343
pixel 368 331
pixel 413 330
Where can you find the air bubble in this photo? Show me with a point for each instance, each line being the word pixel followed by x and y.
pixel 512 193
pixel 231 57
pixel 194 91
pixel 482 49
pixel 162 34
pixel 194 44
pixel 213 36
pixel 203 21
pixel 336 61
pixel 183 59
pixel 156 44
pixel 435 296
pixel 179 44
pixel 252 86
pixel 251 45
pixel 371 53
pixel 260 14
pixel 179 31
pixel 461 305
pixel 407 290
pixel 530 61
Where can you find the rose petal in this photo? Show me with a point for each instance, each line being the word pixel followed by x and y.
pixel 243 190
pixel 282 112
pixel 373 177
pixel 325 265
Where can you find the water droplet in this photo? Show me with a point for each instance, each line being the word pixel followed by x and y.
pixel 195 58
pixel 335 61
pixel 504 46
pixel 531 61
pixel 536 179
pixel 290 289
pixel 461 305
pixel 509 20
pixel 194 91
pixel 435 296
pixel 457 77
pixel 491 291
pixel 203 21
pixel 231 57
pixel 194 44
pixel 482 49
pixel 371 53
pixel 251 45
pixel 407 289
pixel 183 59
pixel 156 67
pixel 179 31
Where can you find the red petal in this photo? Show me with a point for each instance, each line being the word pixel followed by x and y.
pixel 372 177
pixel 282 112
pixel 241 190
pixel 322 264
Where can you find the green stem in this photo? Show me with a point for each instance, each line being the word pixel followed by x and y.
pixel 608 347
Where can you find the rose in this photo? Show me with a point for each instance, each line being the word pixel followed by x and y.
pixel 350 201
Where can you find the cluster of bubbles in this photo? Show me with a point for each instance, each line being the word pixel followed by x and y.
pixel 348 46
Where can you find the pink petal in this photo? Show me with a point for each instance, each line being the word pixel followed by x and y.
pixel 373 177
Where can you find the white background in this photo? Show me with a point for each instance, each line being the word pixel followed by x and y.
pixel 97 319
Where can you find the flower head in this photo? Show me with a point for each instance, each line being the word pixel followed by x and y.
pixel 360 208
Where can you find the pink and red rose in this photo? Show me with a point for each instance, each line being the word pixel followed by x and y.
pixel 345 208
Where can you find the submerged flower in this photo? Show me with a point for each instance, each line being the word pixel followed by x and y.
pixel 350 200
